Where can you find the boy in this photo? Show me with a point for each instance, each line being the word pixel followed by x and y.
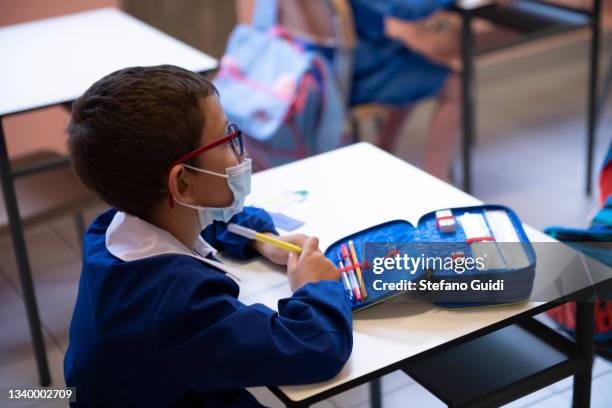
pixel 157 321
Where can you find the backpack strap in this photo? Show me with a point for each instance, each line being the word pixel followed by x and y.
pixel 265 14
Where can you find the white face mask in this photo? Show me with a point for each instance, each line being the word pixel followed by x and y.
pixel 239 181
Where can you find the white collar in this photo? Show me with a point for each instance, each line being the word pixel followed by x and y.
pixel 130 238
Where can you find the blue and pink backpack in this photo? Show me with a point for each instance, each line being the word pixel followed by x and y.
pixel 281 95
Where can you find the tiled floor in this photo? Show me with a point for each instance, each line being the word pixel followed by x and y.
pixel 535 118
pixel 531 134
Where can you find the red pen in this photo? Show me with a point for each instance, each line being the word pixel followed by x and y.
pixel 348 261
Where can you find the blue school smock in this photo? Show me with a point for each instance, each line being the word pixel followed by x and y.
pixel 168 329
pixel 385 71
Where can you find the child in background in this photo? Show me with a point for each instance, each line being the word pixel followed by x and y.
pixel 409 50
pixel 403 56
pixel 157 321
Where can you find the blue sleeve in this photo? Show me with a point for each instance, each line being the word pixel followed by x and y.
pixel 234 245
pixel 404 9
pixel 208 340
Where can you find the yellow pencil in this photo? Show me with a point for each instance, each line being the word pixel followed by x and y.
pixel 252 234
pixel 357 268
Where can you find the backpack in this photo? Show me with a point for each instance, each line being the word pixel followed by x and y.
pixel 282 96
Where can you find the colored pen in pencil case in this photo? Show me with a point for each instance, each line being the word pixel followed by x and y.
pixel 348 262
pixel 346 283
pixel 364 293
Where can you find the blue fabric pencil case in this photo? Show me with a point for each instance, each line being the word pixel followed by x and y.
pixel 504 275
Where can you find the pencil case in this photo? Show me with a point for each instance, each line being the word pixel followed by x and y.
pixel 510 263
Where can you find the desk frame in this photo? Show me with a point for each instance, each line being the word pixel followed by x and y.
pixel 7 178
pixel 582 373
pixel 468 116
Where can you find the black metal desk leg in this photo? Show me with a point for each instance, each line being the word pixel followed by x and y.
pixel 584 345
pixel 467 91
pixel 23 266
pixel 592 101
pixel 375 394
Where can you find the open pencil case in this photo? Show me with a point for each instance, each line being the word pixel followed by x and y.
pixel 502 267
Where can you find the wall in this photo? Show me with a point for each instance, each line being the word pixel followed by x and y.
pixel 203 24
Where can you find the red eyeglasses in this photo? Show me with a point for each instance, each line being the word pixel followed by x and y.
pixel 233 137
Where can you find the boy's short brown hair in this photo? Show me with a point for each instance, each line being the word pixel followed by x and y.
pixel 129 126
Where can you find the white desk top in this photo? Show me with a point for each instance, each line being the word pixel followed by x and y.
pixel 55 60
pixel 389 188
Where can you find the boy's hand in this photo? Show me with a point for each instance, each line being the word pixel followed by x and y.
pixel 278 255
pixel 310 266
